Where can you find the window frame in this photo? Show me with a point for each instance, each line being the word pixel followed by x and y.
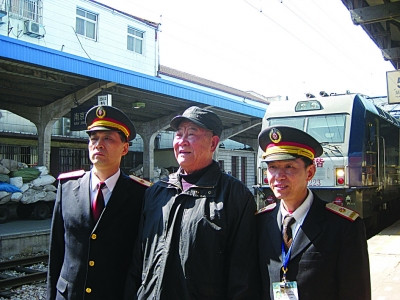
pixel 135 38
pixel 22 9
pixel 87 20
pixel 234 166
pixel 243 169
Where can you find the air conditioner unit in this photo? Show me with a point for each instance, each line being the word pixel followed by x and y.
pixel 3 13
pixel 33 29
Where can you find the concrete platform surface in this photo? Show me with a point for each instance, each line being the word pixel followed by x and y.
pixel 24 237
pixel 384 256
pixel 24 226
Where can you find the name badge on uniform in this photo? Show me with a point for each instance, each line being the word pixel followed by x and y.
pixel 285 290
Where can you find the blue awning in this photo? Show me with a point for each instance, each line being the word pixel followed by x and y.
pixel 45 57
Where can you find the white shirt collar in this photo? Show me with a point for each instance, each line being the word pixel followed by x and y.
pixel 110 181
pixel 300 213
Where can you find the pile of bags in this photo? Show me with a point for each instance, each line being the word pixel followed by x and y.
pixel 20 183
pixel 159 173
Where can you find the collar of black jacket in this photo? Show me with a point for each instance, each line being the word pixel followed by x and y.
pixel 195 176
pixel 208 179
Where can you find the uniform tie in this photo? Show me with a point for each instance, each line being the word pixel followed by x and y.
pixel 98 203
pixel 287 231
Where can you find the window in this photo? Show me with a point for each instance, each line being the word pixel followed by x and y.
pixel 25 154
pixel 135 40
pixel 243 166
pixel 73 159
pixel 27 9
pixel 296 122
pixel 327 129
pixel 221 165
pixel 86 23
pixel 324 128
pixel 234 166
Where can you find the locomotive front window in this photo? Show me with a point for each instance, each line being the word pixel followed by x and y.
pixel 328 128
pixel 324 128
pixel 296 122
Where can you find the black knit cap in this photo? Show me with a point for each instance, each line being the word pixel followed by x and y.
pixel 202 117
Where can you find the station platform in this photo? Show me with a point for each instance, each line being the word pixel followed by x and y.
pixel 24 237
pixel 32 236
pixel 384 257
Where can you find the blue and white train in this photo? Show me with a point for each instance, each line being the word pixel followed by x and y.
pixel 360 165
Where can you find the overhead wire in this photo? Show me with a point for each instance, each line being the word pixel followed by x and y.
pixel 243 50
pixel 289 32
pixel 307 44
pixel 211 44
pixel 340 67
pixel 323 34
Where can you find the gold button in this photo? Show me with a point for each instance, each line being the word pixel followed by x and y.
pixel 91 263
pixel 94 236
pixel 88 290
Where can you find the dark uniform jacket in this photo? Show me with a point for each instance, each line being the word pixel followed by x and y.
pixel 198 244
pixel 329 255
pixel 88 260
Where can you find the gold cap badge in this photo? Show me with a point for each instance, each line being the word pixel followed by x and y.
pixel 275 135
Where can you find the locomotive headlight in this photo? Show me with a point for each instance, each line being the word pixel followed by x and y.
pixel 263 173
pixel 340 176
pixel 339 172
pixel 264 177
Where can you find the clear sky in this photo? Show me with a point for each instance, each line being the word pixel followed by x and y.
pixel 272 47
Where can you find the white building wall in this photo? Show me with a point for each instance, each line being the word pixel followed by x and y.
pixel 226 155
pixel 110 46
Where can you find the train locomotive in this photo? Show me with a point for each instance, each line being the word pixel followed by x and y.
pixel 359 167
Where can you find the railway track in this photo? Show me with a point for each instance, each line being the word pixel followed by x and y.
pixel 22 273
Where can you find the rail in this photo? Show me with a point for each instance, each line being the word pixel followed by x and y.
pixel 26 275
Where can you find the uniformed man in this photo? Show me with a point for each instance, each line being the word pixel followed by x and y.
pixel 308 249
pixel 94 229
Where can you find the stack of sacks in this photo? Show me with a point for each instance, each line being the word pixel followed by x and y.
pixel 19 183
pixel 159 173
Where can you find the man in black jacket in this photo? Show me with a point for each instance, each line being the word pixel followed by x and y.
pixel 322 253
pixel 90 249
pixel 198 234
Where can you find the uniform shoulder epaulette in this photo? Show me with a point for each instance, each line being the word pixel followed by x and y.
pixel 72 174
pixel 266 208
pixel 141 180
pixel 342 211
